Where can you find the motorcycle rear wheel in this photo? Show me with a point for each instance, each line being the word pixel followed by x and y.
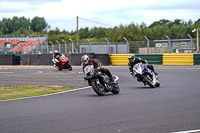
pixel 148 81
pixel 98 88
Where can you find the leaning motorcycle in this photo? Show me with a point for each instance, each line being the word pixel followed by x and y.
pixel 63 63
pixel 145 75
pixel 99 81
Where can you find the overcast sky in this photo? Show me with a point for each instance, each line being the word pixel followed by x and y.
pixel 107 13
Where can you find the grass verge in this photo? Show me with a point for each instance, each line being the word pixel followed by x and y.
pixel 14 92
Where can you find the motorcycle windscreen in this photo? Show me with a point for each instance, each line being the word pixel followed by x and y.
pixel 137 68
pixel 88 68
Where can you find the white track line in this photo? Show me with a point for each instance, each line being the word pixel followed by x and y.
pixel 6 72
pixel 190 131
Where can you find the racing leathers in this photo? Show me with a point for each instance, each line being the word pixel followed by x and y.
pixel 56 57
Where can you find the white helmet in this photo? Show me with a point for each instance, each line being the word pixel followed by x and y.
pixel 84 59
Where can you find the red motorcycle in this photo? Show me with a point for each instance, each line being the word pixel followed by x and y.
pixel 63 62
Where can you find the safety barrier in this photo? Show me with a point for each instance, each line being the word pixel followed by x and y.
pixel 122 59
pixel 113 59
pixel 151 58
pixel 196 59
pixel 9 59
pixel 178 59
pixel 74 58
pixel 119 59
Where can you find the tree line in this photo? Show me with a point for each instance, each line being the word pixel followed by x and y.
pixel 177 29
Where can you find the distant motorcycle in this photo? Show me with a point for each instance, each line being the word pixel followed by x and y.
pixel 100 82
pixel 63 62
pixel 145 75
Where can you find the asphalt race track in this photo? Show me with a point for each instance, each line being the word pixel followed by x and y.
pixel 173 107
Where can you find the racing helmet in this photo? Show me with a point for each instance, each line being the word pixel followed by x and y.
pixel 56 51
pixel 131 57
pixel 84 59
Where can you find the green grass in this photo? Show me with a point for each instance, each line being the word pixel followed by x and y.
pixel 13 92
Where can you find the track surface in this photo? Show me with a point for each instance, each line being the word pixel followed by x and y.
pixel 173 107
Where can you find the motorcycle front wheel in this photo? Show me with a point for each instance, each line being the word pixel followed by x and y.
pixel 59 68
pixel 116 89
pixel 68 66
pixel 148 81
pixel 98 88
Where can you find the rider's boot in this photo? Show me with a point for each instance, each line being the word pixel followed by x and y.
pixel 152 68
pixel 154 71
pixel 113 82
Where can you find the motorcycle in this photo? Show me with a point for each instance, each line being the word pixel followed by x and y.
pixel 145 75
pixel 63 63
pixel 99 81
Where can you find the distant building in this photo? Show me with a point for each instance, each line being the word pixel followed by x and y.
pixel 102 48
pixel 145 50
pixel 162 46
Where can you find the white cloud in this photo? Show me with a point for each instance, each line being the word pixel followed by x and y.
pixel 63 13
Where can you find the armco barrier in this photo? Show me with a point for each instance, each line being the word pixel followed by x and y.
pixel 178 59
pixel 122 59
pixel 151 58
pixel 196 59
pixel 119 59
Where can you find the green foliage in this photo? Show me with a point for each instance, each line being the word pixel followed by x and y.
pixel 13 92
pixel 21 25
pixel 158 30
pixel 38 24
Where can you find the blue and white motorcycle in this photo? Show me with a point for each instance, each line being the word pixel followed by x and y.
pixel 145 75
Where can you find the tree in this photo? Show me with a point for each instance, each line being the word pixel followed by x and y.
pixel 161 22
pixel 39 24
pixel 83 33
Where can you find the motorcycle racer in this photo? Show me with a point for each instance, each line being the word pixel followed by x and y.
pixel 97 64
pixel 134 60
pixel 56 57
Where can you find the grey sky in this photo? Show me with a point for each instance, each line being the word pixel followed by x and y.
pixel 63 13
